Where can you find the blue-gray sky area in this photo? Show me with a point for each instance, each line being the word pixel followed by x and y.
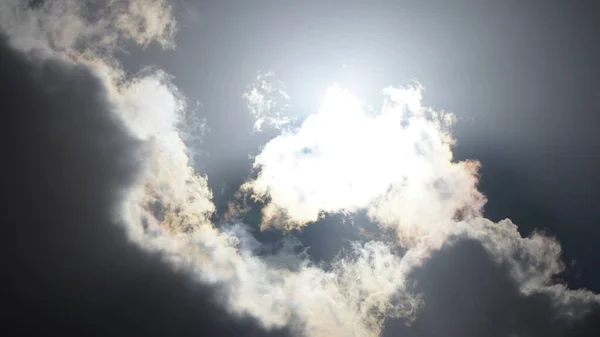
pixel 142 198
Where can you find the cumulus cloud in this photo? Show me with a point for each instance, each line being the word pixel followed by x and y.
pixel 112 224
pixel 165 207
pixel 70 268
pixel 398 166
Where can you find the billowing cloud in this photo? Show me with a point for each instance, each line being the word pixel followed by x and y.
pixel 70 268
pixel 113 224
pixel 397 164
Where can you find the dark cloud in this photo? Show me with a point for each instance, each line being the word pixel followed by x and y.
pixel 70 269
pixel 467 294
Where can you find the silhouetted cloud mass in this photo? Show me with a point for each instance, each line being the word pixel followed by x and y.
pixel 468 294
pixel 68 160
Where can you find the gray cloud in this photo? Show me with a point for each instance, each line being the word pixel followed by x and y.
pixel 167 207
pixel 466 293
pixel 99 26
pixel 70 267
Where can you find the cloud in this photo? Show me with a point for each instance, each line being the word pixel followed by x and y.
pixel 169 209
pixel 110 226
pixel 121 213
pixel 267 101
pixel 398 166
pixel 466 293
pixel 70 267
pixel 71 165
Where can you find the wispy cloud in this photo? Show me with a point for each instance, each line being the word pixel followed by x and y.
pixel 267 102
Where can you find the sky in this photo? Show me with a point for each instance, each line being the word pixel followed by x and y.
pixel 300 168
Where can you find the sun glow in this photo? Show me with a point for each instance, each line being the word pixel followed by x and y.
pixel 395 163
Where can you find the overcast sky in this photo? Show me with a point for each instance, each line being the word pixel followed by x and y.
pixel 130 213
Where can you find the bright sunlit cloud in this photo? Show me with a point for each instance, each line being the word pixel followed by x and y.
pixel 396 163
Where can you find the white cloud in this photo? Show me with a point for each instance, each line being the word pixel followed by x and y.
pixel 279 289
pixel 398 165
pixel 267 101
